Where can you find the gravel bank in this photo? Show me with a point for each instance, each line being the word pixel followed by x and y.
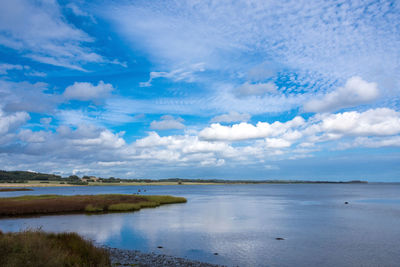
pixel 122 257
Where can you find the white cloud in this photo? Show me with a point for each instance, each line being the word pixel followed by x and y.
pixel 97 150
pixel 79 11
pixel 167 122
pixel 231 117
pixel 244 131
pixel 46 120
pixel 105 139
pixel 373 122
pixel 25 96
pixel 277 143
pixel 86 91
pixel 237 36
pixel 4 67
pixel 75 117
pixel 29 136
pixel 181 74
pixel 36 74
pixel 10 122
pixel 39 30
pixel 376 142
pixel 257 89
pixel 356 91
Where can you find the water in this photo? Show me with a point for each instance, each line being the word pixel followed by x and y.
pixel 241 222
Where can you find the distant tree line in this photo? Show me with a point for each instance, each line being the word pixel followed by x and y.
pixel 25 176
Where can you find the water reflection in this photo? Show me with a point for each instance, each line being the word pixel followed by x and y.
pixel 241 223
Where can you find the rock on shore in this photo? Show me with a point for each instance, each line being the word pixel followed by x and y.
pixel 122 257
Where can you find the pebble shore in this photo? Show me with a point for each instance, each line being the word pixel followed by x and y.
pixel 122 257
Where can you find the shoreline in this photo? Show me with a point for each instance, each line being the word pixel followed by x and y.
pixel 24 185
pixel 126 257
pixel 104 184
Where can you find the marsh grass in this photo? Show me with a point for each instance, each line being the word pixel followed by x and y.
pixel 91 208
pixel 39 249
pixel 133 206
pixel 51 204
pixel 166 199
pixel 14 189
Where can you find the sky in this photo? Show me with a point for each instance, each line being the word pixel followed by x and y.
pixel 304 90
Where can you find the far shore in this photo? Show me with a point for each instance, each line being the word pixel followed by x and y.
pixel 58 184
pixel 62 184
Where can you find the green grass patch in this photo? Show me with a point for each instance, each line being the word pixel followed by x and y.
pixel 166 199
pixel 124 207
pixel 39 249
pixel 22 198
pixel 91 208
pixel 51 204
pixel 132 206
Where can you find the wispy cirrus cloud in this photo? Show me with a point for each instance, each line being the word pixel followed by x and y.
pixel 223 34
pixel 39 30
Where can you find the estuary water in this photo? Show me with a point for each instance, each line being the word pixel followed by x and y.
pixel 241 223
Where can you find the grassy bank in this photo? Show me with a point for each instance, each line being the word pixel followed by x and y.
pixel 14 189
pixel 39 249
pixel 52 204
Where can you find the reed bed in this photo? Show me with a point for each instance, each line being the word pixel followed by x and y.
pixel 53 204
pixel 39 249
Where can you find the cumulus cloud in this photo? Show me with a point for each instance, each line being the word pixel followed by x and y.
pixel 231 117
pixel 25 96
pixel 244 131
pixel 256 89
pixel 9 122
pixel 356 91
pixel 167 122
pixel 373 122
pixel 85 91
pixel 105 139
pixel 321 128
pixel 90 148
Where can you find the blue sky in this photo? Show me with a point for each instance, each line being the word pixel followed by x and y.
pixel 201 89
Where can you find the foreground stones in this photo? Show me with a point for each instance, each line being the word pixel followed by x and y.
pixel 122 257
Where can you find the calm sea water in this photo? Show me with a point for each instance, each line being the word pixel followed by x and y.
pixel 241 222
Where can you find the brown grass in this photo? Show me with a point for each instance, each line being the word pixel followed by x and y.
pixel 39 249
pixel 14 189
pixel 51 204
